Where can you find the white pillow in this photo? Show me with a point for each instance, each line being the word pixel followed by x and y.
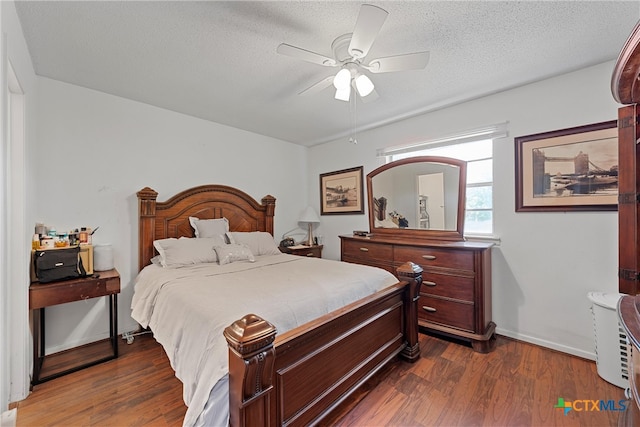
pixel 180 252
pixel 259 242
pixel 232 253
pixel 209 227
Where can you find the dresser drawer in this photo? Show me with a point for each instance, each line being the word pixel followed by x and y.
pixel 445 312
pixel 434 257
pixel 447 285
pixel 366 251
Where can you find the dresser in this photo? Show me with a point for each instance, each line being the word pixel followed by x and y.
pixel 455 295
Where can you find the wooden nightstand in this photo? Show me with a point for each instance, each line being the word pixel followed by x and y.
pixel 43 295
pixel 310 251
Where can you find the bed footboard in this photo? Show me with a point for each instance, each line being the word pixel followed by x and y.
pixel 302 375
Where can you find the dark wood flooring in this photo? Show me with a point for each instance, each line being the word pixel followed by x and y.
pixel 451 385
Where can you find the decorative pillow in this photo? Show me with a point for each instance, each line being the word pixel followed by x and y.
pixel 232 253
pixel 209 227
pixel 180 252
pixel 259 242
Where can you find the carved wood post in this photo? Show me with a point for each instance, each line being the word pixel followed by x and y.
pixel 628 200
pixel 146 228
pixel 251 360
pixel 270 202
pixel 411 273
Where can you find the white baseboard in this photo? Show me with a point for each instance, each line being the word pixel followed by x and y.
pixel 548 344
pixel 9 418
pixel 122 327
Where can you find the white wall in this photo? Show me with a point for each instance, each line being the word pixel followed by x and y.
pixel 546 262
pixel 95 151
pixel 17 207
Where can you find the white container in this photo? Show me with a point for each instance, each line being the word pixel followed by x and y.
pixel 47 243
pixel 612 351
pixel 102 257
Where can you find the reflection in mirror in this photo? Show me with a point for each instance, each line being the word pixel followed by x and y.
pixel 431 201
pixel 419 193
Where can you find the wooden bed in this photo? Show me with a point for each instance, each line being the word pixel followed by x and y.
pixel 298 377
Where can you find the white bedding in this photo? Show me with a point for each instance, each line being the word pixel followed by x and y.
pixel 188 308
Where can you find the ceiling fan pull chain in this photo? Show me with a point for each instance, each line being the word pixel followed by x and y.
pixel 354 118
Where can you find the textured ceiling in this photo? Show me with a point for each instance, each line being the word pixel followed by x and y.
pixel 217 60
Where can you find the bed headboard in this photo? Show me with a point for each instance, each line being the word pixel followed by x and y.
pixel 161 220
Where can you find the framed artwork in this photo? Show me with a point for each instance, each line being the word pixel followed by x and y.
pixel 573 169
pixel 342 192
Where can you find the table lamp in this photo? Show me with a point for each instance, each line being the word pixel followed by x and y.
pixel 310 217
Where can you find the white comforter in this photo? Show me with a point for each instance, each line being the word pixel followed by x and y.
pixel 188 308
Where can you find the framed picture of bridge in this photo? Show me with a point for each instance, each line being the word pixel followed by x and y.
pixel 574 169
pixel 342 192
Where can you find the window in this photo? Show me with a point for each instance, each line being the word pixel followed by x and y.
pixel 476 148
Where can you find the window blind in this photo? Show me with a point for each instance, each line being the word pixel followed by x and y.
pixel 499 130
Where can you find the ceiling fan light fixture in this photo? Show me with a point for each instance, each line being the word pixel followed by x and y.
pixel 342 80
pixel 343 94
pixel 364 85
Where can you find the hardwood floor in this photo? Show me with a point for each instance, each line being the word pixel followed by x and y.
pixel 137 389
pixel 516 385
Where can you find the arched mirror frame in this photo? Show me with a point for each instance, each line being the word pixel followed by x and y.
pixel 429 234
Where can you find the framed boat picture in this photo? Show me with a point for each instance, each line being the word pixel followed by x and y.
pixel 574 169
pixel 342 192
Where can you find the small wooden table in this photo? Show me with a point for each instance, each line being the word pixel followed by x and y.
pixel 43 295
pixel 310 251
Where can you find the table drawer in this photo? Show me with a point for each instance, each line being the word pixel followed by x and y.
pixel 312 252
pixel 447 285
pixel 434 257
pixel 445 312
pixel 44 295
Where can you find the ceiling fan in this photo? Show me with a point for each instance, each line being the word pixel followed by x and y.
pixel 349 53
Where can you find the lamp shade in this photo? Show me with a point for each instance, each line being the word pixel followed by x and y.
pixel 342 80
pixel 309 215
pixel 343 94
pixel 364 85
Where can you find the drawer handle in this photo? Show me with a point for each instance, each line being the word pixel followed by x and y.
pixel 310 254
pixel 429 283
pixel 429 257
pixel 364 249
pixel 429 309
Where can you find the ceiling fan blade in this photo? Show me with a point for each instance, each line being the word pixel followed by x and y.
pixel 305 55
pixel 317 87
pixel 370 20
pixel 410 61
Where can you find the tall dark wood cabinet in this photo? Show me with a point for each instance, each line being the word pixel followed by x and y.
pixel 625 88
pixel 628 199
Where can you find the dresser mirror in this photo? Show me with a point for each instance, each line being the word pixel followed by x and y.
pixel 419 197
